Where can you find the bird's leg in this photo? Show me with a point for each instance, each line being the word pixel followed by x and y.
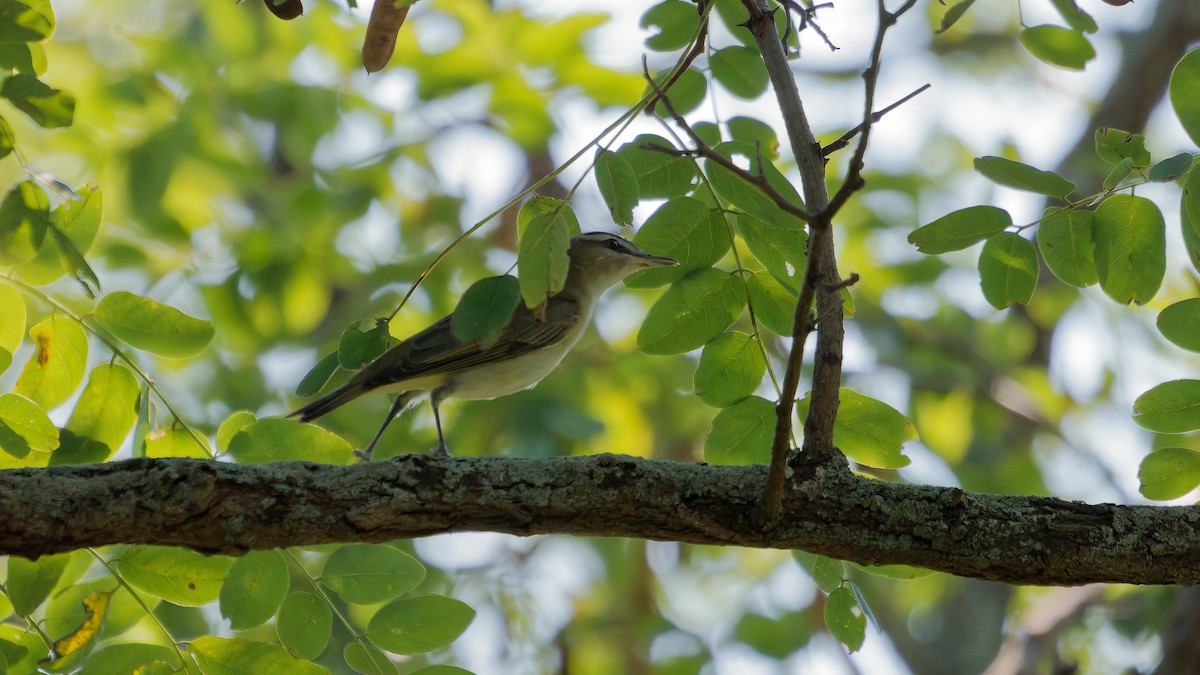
pixel 397 405
pixel 435 399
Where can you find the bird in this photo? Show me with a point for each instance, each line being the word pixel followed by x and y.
pixel 434 362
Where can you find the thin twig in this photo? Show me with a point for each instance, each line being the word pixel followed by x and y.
pixel 854 181
pixel 702 149
pixel 875 117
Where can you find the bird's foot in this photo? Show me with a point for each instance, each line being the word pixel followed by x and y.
pixel 363 455
pixel 439 451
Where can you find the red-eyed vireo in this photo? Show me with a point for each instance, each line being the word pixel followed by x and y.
pixel 434 362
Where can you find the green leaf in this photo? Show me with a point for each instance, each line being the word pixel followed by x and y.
pixel 781 246
pixel 443 669
pixel 1058 46
pixel 741 433
pixel 24 217
pixel 1169 408
pixel 954 13
pixel 73 262
pixel 176 575
pixel 49 108
pixel 107 409
pixel 419 624
pixel 1184 92
pixel 30 581
pixel 25 21
pixel 1172 168
pixel 304 625
pixel 1066 240
pixel 65 608
pixel 485 309
pixel 868 431
pixel 755 133
pixel 316 379
pixel 774 304
pixel 542 254
pixel 1075 17
pixel 254 589
pixel 275 440
pixel 676 22
pixel 1119 172
pixel 685 229
pixel 685 94
pixel 845 619
pixel 1131 256
pixel 73 226
pixel 745 197
pixel 21 649
pixel 1008 270
pixel 367 659
pixel 618 185
pixel 1191 238
pixel 731 368
pixel 897 572
pixel 12 318
pixel 24 427
pixel 231 426
pixel 1024 177
pixel 960 229
pixel 7 138
pixel 233 656
pixel 1169 473
pixel 130 657
pixel 661 175
pixel 18 57
pixel 56 367
pixel 826 572
pixel 694 310
pixel 708 132
pixel 5 359
pixel 173 442
pixel 367 574
pixel 362 342
pixel 740 70
pixel 151 326
pixel 1189 205
pixel 1114 145
pixel 1180 323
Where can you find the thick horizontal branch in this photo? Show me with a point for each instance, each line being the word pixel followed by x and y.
pixel 215 507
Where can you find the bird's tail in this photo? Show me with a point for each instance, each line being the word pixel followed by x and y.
pixel 327 403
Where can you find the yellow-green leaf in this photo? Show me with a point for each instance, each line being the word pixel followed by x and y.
pixel 153 326
pixel 56 367
pixel 1169 473
pixel 24 427
pixel 694 310
pixel 174 574
pixel 1131 256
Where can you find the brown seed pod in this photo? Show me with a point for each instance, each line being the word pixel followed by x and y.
pixel 382 28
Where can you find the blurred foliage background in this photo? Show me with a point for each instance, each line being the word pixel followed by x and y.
pixel 254 175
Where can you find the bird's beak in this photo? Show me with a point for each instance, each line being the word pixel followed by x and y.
pixel 658 261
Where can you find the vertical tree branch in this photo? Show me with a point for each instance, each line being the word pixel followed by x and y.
pixel 821 273
pixel 821 279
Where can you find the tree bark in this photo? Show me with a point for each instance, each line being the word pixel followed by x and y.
pixel 214 507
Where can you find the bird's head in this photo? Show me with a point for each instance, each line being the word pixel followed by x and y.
pixel 600 259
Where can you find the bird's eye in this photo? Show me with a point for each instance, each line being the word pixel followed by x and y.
pixel 612 245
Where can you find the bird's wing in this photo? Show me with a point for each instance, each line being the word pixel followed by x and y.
pixel 435 350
